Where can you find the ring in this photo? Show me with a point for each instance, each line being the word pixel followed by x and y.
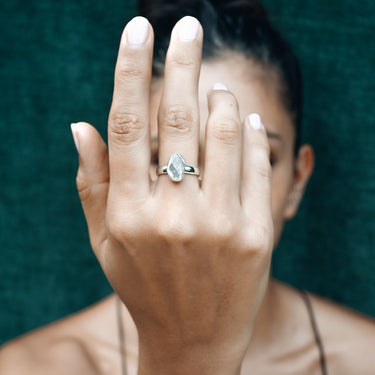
pixel 176 168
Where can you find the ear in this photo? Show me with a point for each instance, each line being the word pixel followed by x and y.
pixel 304 165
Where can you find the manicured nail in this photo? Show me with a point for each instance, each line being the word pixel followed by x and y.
pixel 254 121
pixel 73 127
pixel 187 29
pixel 219 86
pixel 137 31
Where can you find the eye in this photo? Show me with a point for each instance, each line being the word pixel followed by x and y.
pixel 272 159
pixel 155 158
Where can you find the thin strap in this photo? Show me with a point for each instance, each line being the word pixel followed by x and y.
pixel 316 331
pixel 121 335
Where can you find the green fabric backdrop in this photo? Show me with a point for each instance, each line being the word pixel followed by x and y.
pixel 57 62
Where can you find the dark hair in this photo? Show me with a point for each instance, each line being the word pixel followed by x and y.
pixel 240 25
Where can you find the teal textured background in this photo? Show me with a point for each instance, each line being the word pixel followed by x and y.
pixel 57 62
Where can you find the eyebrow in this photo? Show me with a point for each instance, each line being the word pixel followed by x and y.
pixel 274 136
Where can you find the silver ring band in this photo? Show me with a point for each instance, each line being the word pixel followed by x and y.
pixel 176 168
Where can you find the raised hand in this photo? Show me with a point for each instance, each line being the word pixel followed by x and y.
pixel 190 259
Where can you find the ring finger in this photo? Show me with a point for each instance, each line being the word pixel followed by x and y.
pixel 222 171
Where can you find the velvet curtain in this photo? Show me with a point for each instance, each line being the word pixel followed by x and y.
pixel 57 63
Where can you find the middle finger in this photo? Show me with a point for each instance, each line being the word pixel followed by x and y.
pixel 178 116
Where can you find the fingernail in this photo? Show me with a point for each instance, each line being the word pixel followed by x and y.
pixel 254 121
pixel 219 86
pixel 73 127
pixel 137 31
pixel 187 29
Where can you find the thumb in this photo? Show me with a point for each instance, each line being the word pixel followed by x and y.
pixel 92 180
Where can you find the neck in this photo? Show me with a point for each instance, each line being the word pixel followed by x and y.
pixel 266 323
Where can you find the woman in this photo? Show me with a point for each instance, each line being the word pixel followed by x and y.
pixel 188 250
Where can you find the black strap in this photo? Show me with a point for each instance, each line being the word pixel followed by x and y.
pixel 316 332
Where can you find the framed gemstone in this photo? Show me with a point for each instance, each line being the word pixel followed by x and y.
pixel 176 167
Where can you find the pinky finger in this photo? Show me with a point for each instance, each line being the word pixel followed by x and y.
pixel 92 180
pixel 256 171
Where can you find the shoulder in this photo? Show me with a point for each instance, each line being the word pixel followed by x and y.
pixel 67 346
pixel 35 355
pixel 348 336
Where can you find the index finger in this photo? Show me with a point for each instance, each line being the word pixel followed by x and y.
pixel 128 123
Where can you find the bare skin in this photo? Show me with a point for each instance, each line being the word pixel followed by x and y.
pixel 280 339
pixel 87 343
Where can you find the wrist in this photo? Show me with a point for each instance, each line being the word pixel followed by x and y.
pixel 203 359
pixel 184 366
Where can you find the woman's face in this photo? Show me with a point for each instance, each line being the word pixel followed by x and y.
pixel 256 91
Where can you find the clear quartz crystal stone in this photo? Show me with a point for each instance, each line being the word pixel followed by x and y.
pixel 176 167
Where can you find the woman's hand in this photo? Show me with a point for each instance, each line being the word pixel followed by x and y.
pixel 189 260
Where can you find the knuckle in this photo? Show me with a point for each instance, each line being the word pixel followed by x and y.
pixel 260 146
pixel 264 171
pixel 260 240
pixel 119 229
pixel 87 190
pixel 225 130
pixel 126 127
pixel 226 99
pixel 181 60
pixel 223 228
pixel 179 118
pixel 174 230
pixel 129 70
pixel 83 187
pixel 114 226
pixel 261 161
